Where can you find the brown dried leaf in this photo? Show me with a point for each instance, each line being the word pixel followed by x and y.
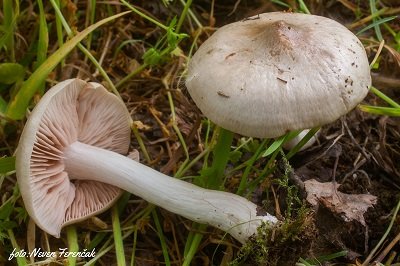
pixel 350 207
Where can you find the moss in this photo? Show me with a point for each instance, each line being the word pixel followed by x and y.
pixel 284 243
pixel 280 245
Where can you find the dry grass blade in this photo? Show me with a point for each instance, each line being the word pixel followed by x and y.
pixel 17 107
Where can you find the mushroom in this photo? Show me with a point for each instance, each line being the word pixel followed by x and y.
pixel 277 72
pixel 70 165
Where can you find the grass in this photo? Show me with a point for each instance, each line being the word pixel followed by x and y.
pixel 18 105
pixel 144 63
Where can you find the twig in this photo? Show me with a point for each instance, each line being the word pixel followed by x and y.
pixel 372 253
pixel 388 248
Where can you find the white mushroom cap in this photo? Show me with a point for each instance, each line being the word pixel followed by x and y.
pixel 71 111
pixel 277 72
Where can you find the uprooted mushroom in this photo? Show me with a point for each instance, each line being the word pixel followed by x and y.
pixel 71 165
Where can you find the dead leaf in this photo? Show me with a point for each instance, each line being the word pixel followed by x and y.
pixel 349 206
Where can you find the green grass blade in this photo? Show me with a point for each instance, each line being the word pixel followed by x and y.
pixel 130 75
pixel 384 236
pixel 9 21
pixel 152 20
pixel 279 141
pixel 73 245
pixel 281 3
pixel 384 97
pixel 243 181
pixel 43 42
pixel 221 152
pixel 376 24
pixel 194 245
pixel 7 164
pixel 302 142
pixel 268 169
pixel 17 107
pixel 21 261
pixel 303 7
pixel 119 245
pixel 183 15
pixel 160 233
pixel 390 111
pixel 274 146
pixel 83 49
pixel 59 29
pixel 372 5
pixel 189 240
pixel 303 262
pixel 97 239
pixel 326 258
pixel 212 177
pixel 92 6
pixel 135 233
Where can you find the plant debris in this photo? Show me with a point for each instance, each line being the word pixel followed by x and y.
pixel 350 207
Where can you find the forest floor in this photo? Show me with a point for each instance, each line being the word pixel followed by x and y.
pixel 143 56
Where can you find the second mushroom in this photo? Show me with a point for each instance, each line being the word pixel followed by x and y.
pixel 278 72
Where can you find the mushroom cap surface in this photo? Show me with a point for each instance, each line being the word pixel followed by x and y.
pixel 73 110
pixel 277 72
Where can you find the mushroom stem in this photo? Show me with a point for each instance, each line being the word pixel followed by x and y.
pixel 229 212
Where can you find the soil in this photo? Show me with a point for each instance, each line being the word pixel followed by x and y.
pixel 360 151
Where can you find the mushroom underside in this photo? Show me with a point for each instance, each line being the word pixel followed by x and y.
pixel 78 112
